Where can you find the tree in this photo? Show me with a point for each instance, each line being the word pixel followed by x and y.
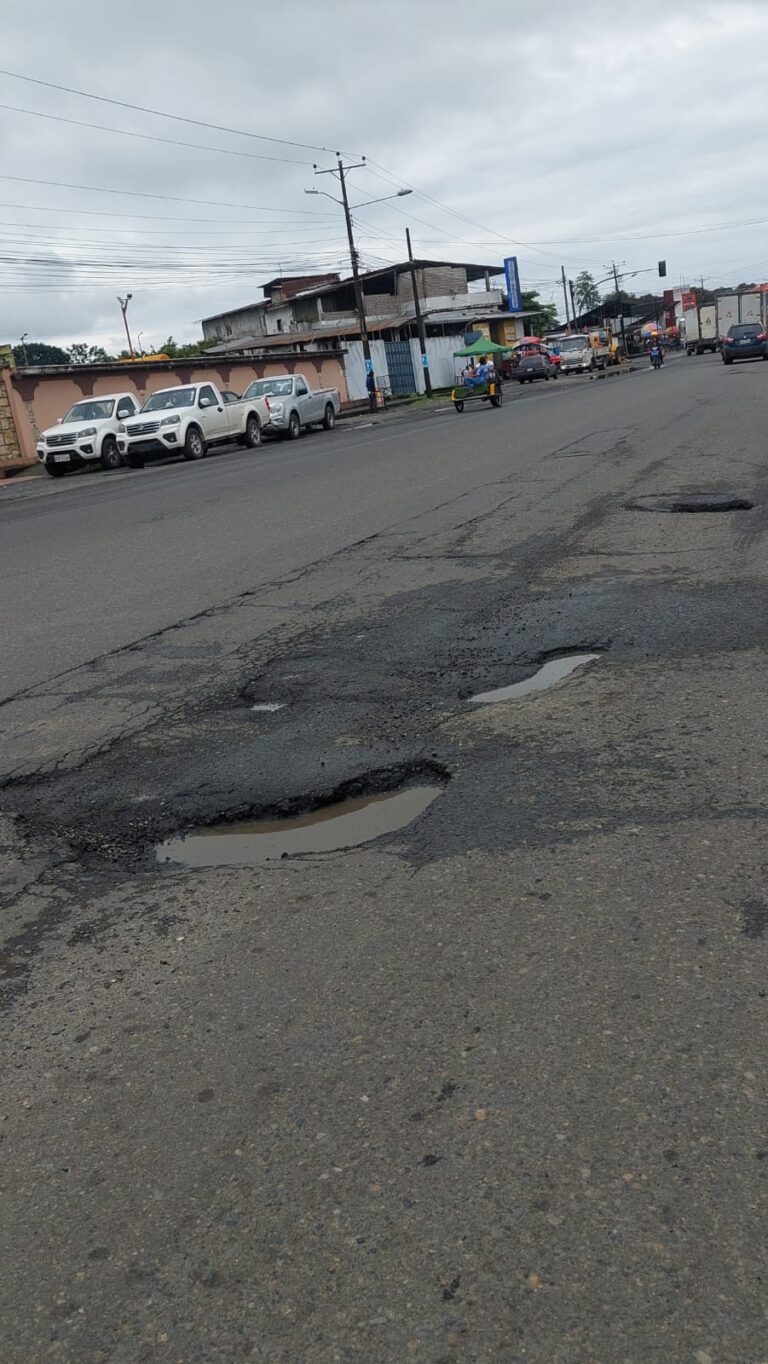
pixel 81 354
pixel 39 353
pixel 586 292
pixel 187 351
pixel 545 313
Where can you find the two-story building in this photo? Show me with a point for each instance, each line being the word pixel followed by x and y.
pixel 311 314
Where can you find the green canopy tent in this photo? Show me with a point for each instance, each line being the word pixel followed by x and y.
pixel 483 347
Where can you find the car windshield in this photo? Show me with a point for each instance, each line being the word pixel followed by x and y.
pixel 574 343
pixel 169 399
pixel 746 329
pixel 269 388
pixel 91 411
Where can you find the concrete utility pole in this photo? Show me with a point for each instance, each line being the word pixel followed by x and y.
pixel 573 301
pixel 565 296
pixel 419 319
pixel 22 343
pixel 340 172
pixel 124 310
pixel 619 305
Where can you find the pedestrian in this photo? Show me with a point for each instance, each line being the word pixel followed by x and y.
pixel 370 384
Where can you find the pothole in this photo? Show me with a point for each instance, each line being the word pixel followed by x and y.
pixel 331 828
pixel 690 502
pixel 555 670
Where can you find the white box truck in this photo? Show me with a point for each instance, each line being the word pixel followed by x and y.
pixel 700 328
pixel 747 306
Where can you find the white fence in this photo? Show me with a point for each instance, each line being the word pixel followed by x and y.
pixel 439 353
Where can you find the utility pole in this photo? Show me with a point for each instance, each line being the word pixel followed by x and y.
pixel 565 296
pixel 419 319
pixel 124 310
pixel 22 343
pixel 573 301
pixel 340 173
pixel 619 305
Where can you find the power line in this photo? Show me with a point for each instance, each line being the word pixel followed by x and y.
pixel 162 113
pixel 150 137
pixel 170 198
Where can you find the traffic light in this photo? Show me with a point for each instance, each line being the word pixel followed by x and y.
pixel 662 268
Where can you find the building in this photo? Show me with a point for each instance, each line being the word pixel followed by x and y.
pixel 456 298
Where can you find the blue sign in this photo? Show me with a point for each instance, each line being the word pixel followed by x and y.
pixel 514 296
pixel 425 360
pixel 369 366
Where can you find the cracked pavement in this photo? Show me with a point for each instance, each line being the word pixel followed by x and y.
pixel 490 1088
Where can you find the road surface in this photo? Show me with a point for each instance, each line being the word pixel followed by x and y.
pixel 490 1086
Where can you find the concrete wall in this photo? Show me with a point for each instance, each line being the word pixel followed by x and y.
pixel 39 397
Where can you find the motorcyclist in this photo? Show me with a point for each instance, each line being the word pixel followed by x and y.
pixel 656 353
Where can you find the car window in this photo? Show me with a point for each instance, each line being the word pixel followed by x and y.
pixel 229 396
pixel 746 329
pixel 125 408
pixel 169 399
pixel 269 388
pixel 301 387
pixel 207 392
pixel 91 411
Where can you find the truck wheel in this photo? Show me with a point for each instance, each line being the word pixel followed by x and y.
pixel 55 470
pixel 458 404
pixel 110 457
pixel 253 432
pixel 294 426
pixel 194 445
pixel 329 420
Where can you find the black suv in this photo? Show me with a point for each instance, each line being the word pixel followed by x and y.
pixel 745 341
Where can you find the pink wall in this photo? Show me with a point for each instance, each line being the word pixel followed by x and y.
pixel 38 398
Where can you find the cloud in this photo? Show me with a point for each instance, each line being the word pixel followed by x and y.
pixel 566 134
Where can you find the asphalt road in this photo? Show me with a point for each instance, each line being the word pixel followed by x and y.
pixel 490 1087
pixel 95 561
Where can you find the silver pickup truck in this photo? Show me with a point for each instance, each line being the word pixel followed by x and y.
pixel 292 404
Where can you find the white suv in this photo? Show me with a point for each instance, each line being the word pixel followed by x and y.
pixel 87 434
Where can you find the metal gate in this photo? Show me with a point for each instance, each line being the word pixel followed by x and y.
pixel 400 368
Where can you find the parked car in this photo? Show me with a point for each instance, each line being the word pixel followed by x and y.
pixel 745 341
pixel 292 404
pixel 187 420
pixel 534 365
pixel 86 435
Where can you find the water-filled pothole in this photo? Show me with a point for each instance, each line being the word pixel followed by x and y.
pixel 690 502
pixel 553 671
pixel 344 824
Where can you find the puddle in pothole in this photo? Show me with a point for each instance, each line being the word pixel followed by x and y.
pixel 553 671
pixel 346 824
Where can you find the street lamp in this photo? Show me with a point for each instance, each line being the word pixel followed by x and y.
pixel 124 310
pixel 138 343
pixel 22 339
pixel 340 174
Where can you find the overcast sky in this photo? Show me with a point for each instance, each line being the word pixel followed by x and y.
pixel 564 132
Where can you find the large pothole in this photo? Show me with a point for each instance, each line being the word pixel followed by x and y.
pixel 689 502
pixel 346 822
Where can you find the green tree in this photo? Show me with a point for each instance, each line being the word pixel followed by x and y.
pixel 39 353
pixel 586 291
pixel 187 351
pixel 82 354
pixel 545 318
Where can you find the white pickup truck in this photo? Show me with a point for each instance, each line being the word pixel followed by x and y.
pixel 293 404
pixel 87 434
pixel 188 419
